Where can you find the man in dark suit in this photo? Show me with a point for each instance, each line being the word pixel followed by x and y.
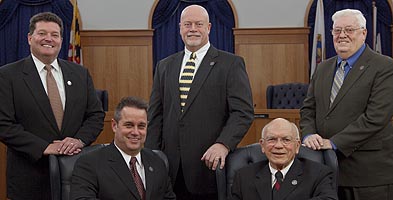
pixel 107 173
pixel 356 120
pixel 300 178
pixel 29 124
pixel 196 125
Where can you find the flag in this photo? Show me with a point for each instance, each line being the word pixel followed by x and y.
pixel 75 50
pixel 318 48
pixel 377 45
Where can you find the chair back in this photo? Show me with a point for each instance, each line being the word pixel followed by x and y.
pixel 244 156
pixel 286 96
pixel 103 97
pixel 60 170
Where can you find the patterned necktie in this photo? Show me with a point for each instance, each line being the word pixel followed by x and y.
pixel 338 81
pixel 277 185
pixel 186 78
pixel 54 96
pixel 137 178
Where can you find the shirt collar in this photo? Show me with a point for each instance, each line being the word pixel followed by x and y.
pixel 40 65
pixel 127 158
pixel 352 60
pixel 200 52
pixel 283 171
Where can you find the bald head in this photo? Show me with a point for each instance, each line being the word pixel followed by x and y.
pixel 281 124
pixel 190 10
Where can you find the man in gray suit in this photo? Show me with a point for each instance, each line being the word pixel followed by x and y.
pixel 29 124
pixel 299 179
pixel 106 174
pixel 355 118
pixel 196 125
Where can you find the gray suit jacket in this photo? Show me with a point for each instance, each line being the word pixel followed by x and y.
pixel 28 126
pixel 359 120
pixel 104 175
pixel 305 180
pixel 219 109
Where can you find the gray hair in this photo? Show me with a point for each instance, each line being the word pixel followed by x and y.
pixel 351 12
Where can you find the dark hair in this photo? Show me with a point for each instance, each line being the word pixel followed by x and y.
pixel 133 102
pixel 45 17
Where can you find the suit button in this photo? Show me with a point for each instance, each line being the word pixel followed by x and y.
pixel 327 118
pixel 181 125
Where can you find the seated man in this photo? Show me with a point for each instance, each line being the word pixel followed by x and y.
pixel 123 169
pixel 283 176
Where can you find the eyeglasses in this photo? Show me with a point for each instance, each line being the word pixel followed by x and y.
pixel 347 30
pixel 285 140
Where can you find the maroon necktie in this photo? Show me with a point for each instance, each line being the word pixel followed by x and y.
pixel 277 185
pixel 54 96
pixel 137 178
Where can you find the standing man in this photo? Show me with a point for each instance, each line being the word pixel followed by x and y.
pixel 47 106
pixel 349 108
pixel 200 108
pixel 283 176
pixel 110 173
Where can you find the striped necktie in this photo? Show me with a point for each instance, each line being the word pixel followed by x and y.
pixel 137 179
pixel 54 96
pixel 338 81
pixel 185 81
pixel 279 180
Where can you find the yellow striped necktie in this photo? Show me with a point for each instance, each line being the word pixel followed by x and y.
pixel 338 81
pixel 186 78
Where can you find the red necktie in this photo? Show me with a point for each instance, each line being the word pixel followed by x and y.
pixel 137 178
pixel 277 185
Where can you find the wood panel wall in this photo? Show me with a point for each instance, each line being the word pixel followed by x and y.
pixel 121 62
pixel 273 56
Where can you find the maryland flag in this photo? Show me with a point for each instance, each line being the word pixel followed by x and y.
pixel 75 50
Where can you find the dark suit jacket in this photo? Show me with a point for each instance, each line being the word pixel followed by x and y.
pixel 358 122
pixel 103 174
pixel 219 109
pixel 305 180
pixel 27 123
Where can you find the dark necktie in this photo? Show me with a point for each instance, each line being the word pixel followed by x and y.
pixel 277 185
pixel 137 178
pixel 186 78
pixel 54 96
pixel 338 81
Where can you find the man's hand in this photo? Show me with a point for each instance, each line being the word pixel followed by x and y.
pixel 214 154
pixel 52 149
pixel 69 146
pixel 316 142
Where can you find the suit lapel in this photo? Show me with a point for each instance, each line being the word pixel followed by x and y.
pixel 173 69
pixel 263 184
pixel 120 168
pixel 292 179
pixel 354 74
pixel 204 69
pixel 70 92
pixel 328 81
pixel 34 83
pixel 149 174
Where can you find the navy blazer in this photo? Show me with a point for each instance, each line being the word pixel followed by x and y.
pixel 104 175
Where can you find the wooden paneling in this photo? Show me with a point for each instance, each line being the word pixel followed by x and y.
pixel 273 56
pixel 264 116
pixel 120 62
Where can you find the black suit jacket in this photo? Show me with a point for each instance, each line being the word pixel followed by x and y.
pixel 219 109
pixel 359 120
pixel 103 174
pixel 305 180
pixel 28 125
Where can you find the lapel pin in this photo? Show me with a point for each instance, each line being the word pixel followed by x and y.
pixel 294 182
pixel 212 63
pixel 361 67
pixel 69 83
pixel 151 169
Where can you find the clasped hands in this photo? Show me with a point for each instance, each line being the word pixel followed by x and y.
pixel 214 154
pixel 67 146
pixel 316 142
